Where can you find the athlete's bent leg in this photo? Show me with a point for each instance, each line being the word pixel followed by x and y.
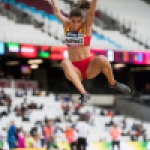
pixel 101 64
pixel 73 75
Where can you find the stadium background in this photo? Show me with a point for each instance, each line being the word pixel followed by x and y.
pixel 31 50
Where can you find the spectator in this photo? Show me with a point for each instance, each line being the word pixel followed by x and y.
pixel 35 92
pixel 29 141
pixel 18 111
pixel 37 140
pixel 134 132
pixel 3 96
pixel 110 123
pixel 19 92
pixel 75 107
pixel 66 110
pixel 2 93
pixel 49 129
pixel 5 99
pixel 3 139
pixel 134 127
pixel 82 129
pixel 21 139
pixel 110 114
pixel 26 114
pixel 63 105
pixel 39 127
pixel 24 105
pixel 124 124
pixel 8 102
pixel 115 133
pixel 51 143
pixel 3 113
pixel 12 136
pixel 24 90
pixel 32 105
pixel 33 141
pixel 26 135
pixel 71 136
pixel 3 135
pixel 141 132
pixel 33 131
pixel 57 120
pixel 67 98
pixel 102 113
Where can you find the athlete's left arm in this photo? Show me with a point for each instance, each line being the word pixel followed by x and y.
pixel 91 14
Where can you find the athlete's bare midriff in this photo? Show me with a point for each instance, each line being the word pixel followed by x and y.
pixel 79 53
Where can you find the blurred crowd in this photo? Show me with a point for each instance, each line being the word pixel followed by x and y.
pixel 5 99
pixel 44 132
pixel 135 132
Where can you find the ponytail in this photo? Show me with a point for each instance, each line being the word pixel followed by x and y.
pixel 83 4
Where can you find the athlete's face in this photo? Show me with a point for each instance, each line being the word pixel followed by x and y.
pixel 75 23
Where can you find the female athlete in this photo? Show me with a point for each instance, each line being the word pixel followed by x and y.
pixel 81 65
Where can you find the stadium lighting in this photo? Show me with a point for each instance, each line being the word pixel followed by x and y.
pixel 119 65
pixel 12 63
pixel 138 69
pixel 35 61
pixel 34 66
pixel 57 65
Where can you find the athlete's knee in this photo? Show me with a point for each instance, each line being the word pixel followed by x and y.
pixel 103 60
pixel 100 60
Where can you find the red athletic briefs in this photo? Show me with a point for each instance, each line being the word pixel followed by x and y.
pixel 82 66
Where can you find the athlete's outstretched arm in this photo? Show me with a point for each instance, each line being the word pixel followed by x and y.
pixel 91 14
pixel 58 13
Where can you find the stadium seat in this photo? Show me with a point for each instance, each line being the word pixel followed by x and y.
pixel 123 12
pixel 101 37
pixel 13 32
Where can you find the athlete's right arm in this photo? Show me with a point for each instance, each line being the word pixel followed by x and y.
pixel 58 13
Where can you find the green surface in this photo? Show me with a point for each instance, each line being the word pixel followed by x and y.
pixel 1 144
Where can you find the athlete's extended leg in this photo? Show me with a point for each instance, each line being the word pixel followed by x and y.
pixel 73 75
pixel 101 64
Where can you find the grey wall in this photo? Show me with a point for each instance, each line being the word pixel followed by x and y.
pixel 133 109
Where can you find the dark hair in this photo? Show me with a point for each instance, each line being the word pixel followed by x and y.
pixel 83 4
pixel 33 131
pixel 82 117
pixel 75 12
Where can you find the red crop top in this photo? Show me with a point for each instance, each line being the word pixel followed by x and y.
pixel 77 38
